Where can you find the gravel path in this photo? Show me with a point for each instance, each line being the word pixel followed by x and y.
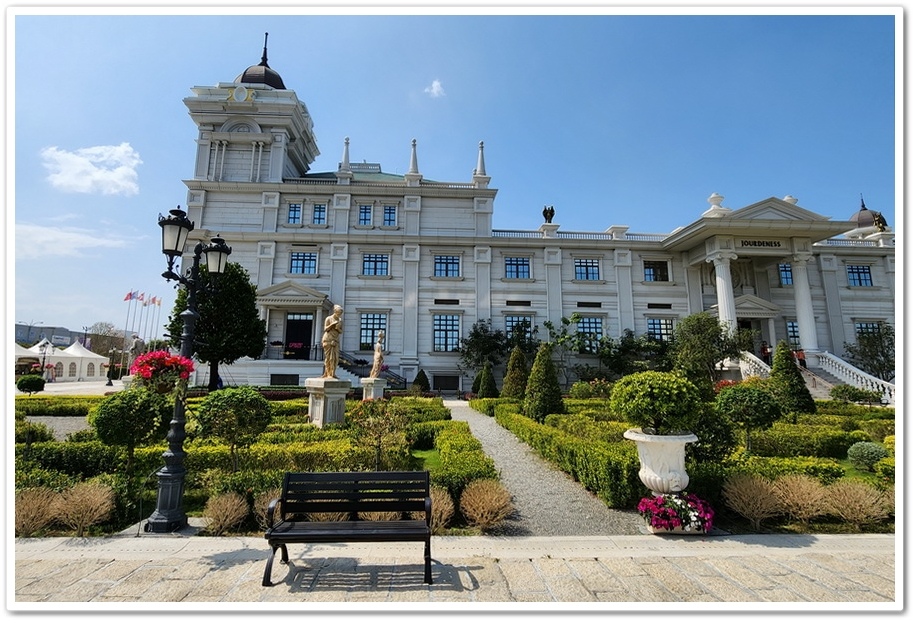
pixel 61 426
pixel 547 501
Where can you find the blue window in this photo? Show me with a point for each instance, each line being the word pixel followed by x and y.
pixel 858 276
pixel 446 329
pixel 587 269
pixel 518 268
pixel 375 264
pixel 294 214
pixel 447 266
pixel 320 214
pixel 365 215
pixel 390 216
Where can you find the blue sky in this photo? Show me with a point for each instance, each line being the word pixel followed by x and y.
pixel 612 119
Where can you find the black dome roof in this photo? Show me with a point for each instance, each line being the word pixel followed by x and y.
pixel 262 73
pixel 869 218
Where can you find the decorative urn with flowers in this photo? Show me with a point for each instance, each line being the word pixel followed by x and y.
pixel 161 371
pixel 662 407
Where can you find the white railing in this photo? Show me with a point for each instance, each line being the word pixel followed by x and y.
pixel 751 365
pixel 851 375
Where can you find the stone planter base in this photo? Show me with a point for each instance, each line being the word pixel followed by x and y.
pixel 678 531
pixel 661 460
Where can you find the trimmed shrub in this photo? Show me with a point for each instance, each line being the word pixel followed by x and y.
pixel 30 384
pixel 659 403
pixel 800 440
pixel 850 393
pixel 236 415
pixel 130 418
pixel 421 382
pixel 825 470
pixel 486 503
pixel 32 432
pixel 864 454
pixel 749 407
pixel 716 438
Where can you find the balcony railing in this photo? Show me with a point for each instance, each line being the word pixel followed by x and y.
pixel 851 375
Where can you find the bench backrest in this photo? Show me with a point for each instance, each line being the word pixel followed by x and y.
pixel 352 492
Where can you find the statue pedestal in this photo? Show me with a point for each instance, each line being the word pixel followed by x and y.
pixel 373 388
pixel 327 400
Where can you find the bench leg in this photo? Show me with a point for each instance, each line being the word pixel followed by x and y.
pixel 427 564
pixel 284 557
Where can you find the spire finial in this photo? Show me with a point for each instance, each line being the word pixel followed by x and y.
pixel 481 168
pixel 264 54
pixel 862 199
pixel 413 157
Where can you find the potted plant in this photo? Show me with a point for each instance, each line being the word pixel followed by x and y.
pixel 682 513
pixel 161 371
pixel 662 407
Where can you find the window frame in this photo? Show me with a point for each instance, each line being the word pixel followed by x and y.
pixel 364 215
pixel 591 346
pixel 784 274
pixel 664 332
pixel 319 214
pixel 516 262
pixel 291 208
pixel 376 261
pixel 446 264
pixel 857 274
pixel 584 267
pixel 370 323
pixel 305 262
pixel 653 270
pixel 445 335
pixel 387 211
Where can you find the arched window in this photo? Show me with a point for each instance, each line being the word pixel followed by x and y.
pixel 58 369
pixel 90 370
pixel 71 370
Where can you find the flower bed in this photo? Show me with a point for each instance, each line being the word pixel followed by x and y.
pixel 677 512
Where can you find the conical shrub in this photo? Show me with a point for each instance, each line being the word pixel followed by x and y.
pixel 516 375
pixel 543 395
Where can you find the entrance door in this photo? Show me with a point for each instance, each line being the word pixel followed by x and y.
pixel 298 335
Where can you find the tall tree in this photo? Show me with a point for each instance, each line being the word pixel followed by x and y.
pixel 700 343
pixel 229 327
pixel 873 351
pixel 483 345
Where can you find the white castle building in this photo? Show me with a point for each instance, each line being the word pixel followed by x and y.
pixel 421 260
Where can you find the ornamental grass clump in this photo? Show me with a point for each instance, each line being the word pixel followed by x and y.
pixel 261 502
pixel 856 502
pixel 753 497
pixel 84 505
pixel 802 497
pixel 225 511
pixel 673 511
pixel 33 510
pixel 443 510
pixel 485 503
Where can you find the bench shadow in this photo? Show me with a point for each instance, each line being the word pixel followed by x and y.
pixel 334 575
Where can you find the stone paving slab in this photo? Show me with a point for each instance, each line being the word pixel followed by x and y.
pixel 746 572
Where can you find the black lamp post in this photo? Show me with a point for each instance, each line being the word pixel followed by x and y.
pixel 44 353
pixel 169 514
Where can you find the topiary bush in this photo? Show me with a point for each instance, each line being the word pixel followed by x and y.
pixel 487 387
pixel 516 378
pixel 543 395
pixel 421 382
pixel 236 415
pixel 850 393
pixel 865 454
pixel 749 407
pixel 787 383
pixel 30 384
pixel 658 403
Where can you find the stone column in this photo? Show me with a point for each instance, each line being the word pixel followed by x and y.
pixel 804 308
pixel 725 296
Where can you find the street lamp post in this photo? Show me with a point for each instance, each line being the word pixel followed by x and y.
pixel 44 353
pixel 169 514
pixel 111 353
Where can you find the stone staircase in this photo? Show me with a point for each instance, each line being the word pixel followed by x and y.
pixel 819 382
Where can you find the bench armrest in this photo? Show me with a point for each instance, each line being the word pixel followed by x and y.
pixel 270 511
pixel 429 510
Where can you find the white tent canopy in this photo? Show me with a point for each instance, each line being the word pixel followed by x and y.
pixel 74 363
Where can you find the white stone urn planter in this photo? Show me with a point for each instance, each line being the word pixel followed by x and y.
pixel 661 460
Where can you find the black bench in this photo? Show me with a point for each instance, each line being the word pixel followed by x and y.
pixel 350 493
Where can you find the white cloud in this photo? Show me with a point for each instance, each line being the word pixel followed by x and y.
pixel 105 169
pixel 36 241
pixel 435 89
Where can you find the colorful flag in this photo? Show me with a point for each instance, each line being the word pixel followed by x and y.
pixel 128 296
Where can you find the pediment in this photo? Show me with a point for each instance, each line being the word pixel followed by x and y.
pixel 750 306
pixel 287 292
pixel 773 209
